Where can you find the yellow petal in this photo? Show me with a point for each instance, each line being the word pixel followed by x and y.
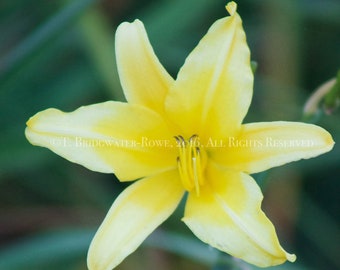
pixel 213 89
pixel 227 215
pixel 133 216
pixel 142 76
pixel 261 146
pixel 110 137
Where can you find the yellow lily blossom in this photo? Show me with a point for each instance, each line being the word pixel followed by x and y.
pixel 182 136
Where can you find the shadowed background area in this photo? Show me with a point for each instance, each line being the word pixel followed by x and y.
pixel 61 54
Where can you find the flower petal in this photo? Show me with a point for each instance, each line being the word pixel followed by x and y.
pixel 144 80
pixel 227 215
pixel 133 216
pixel 110 137
pixel 261 146
pixel 213 90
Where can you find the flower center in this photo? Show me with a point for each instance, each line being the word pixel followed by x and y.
pixel 190 163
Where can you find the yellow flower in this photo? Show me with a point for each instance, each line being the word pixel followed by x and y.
pixel 177 136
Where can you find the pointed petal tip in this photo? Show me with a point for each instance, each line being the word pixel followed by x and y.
pixel 32 120
pixel 29 122
pixel 291 257
pixel 331 141
pixel 32 124
pixel 328 139
pixel 231 8
pixel 94 264
pixel 125 26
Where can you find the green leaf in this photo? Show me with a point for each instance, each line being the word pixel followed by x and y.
pixel 332 98
pixel 61 249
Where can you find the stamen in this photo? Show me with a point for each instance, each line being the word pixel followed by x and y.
pixel 189 163
pixel 199 166
pixel 195 175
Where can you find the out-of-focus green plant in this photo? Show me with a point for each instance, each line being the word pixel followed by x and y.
pixel 332 98
pixel 326 98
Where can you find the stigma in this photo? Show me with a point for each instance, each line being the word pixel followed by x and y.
pixel 189 163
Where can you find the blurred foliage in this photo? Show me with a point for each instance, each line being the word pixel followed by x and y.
pixel 61 54
pixel 332 99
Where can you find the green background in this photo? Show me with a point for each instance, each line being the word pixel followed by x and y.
pixel 61 54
